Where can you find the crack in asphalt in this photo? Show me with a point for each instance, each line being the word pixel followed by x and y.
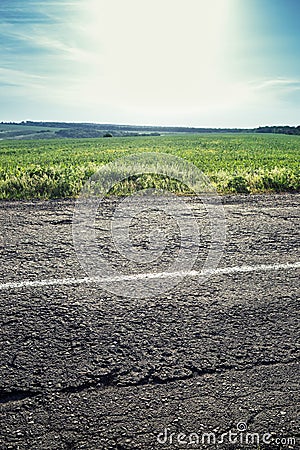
pixel 16 395
pixel 104 380
pixel 60 222
pixel 151 379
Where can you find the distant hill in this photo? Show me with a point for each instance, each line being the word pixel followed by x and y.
pixel 47 130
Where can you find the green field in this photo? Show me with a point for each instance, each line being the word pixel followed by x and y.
pixel 235 163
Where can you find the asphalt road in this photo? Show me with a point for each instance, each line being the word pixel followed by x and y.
pixel 83 368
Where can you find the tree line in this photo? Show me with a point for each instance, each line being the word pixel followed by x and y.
pixel 74 129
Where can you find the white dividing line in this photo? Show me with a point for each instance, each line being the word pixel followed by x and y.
pixel 147 276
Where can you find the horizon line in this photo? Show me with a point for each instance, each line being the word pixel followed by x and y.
pixel 11 122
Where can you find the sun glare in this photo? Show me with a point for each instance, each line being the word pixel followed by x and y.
pixel 155 53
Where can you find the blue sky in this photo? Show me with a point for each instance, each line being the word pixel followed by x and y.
pixel 231 63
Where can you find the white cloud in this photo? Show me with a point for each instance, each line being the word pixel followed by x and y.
pixel 279 83
pixel 276 92
pixel 21 78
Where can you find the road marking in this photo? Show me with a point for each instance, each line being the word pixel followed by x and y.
pixel 147 276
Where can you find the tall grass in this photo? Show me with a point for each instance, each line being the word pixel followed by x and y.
pixel 248 163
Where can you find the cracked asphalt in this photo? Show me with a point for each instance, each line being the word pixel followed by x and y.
pixel 82 368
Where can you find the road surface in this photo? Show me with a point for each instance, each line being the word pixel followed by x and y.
pixel 205 365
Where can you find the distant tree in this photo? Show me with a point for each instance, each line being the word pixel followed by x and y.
pixel 283 129
pixel 107 135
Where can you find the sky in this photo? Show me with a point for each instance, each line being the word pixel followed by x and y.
pixel 206 63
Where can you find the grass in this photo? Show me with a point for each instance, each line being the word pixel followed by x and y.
pixel 235 163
